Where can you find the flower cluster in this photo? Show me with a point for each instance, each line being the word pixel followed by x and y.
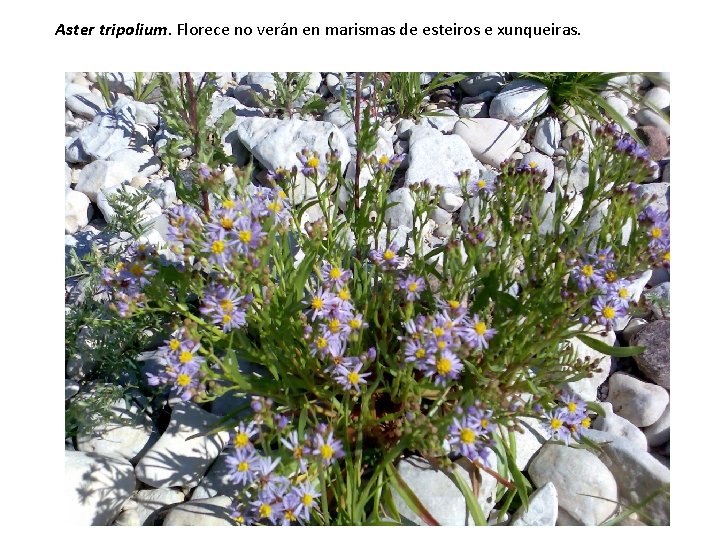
pixel 336 322
pixel 569 420
pixel 387 259
pixel 271 497
pixel 658 233
pixel 127 280
pixel 181 362
pixel 437 345
pixel 225 307
pixel 471 434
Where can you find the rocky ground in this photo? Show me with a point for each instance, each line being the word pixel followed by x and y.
pixel 133 472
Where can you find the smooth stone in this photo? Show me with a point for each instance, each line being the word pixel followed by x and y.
pixel 586 388
pixel 658 433
pixel 444 120
pixel 648 117
pixel 68 176
pixel 78 211
pixel 585 486
pixel 618 105
pixel 176 461
pixel 128 516
pixel 520 101
pixel 542 163
pixel 436 158
pixel 401 213
pixel 153 503
pixel 71 388
pixel 474 110
pixel 657 193
pixel 658 96
pixel 86 104
pixel 110 131
pixel 450 202
pixel 440 216
pixel 477 83
pixel 617 425
pixel 141 162
pixel 654 362
pixel 404 129
pixel 547 135
pixel 491 141
pixel 438 493
pixel 655 141
pixel 217 481
pixel 150 209
pixel 95 488
pixel 336 115
pixel 530 441
pixel 542 508
pixel 100 175
pixel 126 435
pixel 632 328
pixel 658 298
pixel 204 512
pixel 639 402
pixel 147 113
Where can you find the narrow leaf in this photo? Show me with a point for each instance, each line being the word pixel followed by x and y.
pixel 618 352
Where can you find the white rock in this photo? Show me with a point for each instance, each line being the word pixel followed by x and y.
pixel 586 388
pixel 439 495
pixel 151 502
pixel 404 128
pixel 478 83
pixel 639 402
pixel 542 508
pixel 204 512
pixel 150 209
pixel 648 117
pixel 578 177
pixel 547 135
pixel 658 96
pixel 436 158
pixel 217 481
pixel 520 101
pixel 585 486
pixel 444 120
pixel 474 110
pixel 176 461
pixel 147 113
pixel 659 192
pixel 109 131
pixel 617 425
pixel 85 104
pixel 274 143
pixel 126 435
pixel 77 210
pixel 618 105
pixel 491 141
pixel 95 488
pixel 440 216
pixel 141 162
pixel 530 441
pixel 659 433
pixel 336 115
pixel 128 516
pixel 100 175
pixel 542 163
pixel 71 388
pixel 402 211
pixel 450 201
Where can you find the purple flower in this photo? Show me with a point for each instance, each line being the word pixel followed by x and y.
pixel 218 246
pixel 242 465
pixel 573 406
pixel 387 164
pixel 297 448
pixel 334 275
pixel 415 351
pixel 351 378
pixel 470 439
pixel 328 448
pixel 484 184
pixel 249 234
pixel 444 366
pixel 386 260
pixel 556 426
pixel 223 306
pixel 607 310
pixel 204 171
pixel 244 435
pixel 321 304
pixel 306 496
pixel 586 274
pixel 477 333
pixel 413 286
pixel 183 223
pixel 311 163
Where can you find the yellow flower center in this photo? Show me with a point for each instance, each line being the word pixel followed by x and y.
pixel 571 407
pixel 313 162
pixel 454 304
pixel 412 287
pixel 656 232
pixel 533 164
pixel 228 204
pixel 265 510
pixel 282 194
pixel 240 519
pixel 316 302
pixel 608 312
pixel 335 272
pixel 623 293
pixel 441 345
pixel 334 326
pixel 137 269
pixel 183 379
pixel 420 353
pixel 185 357
pixel 353 377
pixel 243 466
pixel 355 324
pixel 274 207
pixel 587 270
pixel 666 257
pixel 226 305
pixel 321 342
pixel 467 435
pixel 555 423
pixel 585 422
pixel 245 236
pixel 326 451
pixel 307 499
pixel 119 266
pixel 484 423
pixel 297 452
pixel 289 516
pixel 344 294
pixel 438 331
pixel 241 439
pixel 226 319
pixel 388 255
pixel 384 160
pixel 481 183
pixel 174 344
pixel 610 276
pixel 226 223
pixel 218 246
pixel 480 328
pixel 444 366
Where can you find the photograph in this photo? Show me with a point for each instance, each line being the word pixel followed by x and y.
pixel 366 298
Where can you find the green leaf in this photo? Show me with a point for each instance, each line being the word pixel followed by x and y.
pixel 596 408
pixel 225 121
pixel 600 346
pixel 470 500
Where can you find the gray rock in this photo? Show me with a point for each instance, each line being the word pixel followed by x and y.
pixel 85 104
pixel 149 210
pixel 648 117
pixel 109 131
pixel 474 110
pixel 659 433
pixel 141 162
pixel 492 141
pixel 585 486
pixel 450 201
pixel 542 508
pixel 618 105
pixel 632 328
pixel 440 216
pixel 217 481
pixel 658 194
pixel 436 158
pixel 127 434
pixel 100 175
pixel 547 135
pixel 128 516
pixel 666 173
pixel 78 211
pixel 204 512
pixel 71 388
pixel 542 163
pixel 404 129
pixel 658 96
pixel 438 494
pixel 176 461
pixel 578 177
pixel 639 402
pixel 402 212
pixel 444 120
pixel 616 425
pixel 520 101
pixel 152 504
pixel 586 388
pixel 478 83
pixel 147 113
pixel 275 143
pixel 658 298
pixel 528 442
pixel 654 362
pixel 95 488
